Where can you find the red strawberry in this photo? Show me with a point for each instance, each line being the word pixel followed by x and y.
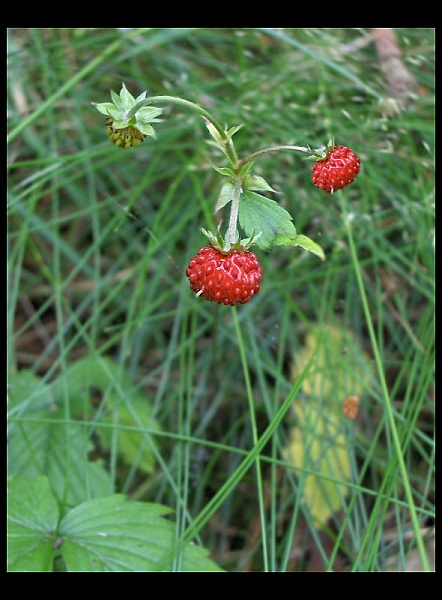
pixel 338 169
pixel 225 278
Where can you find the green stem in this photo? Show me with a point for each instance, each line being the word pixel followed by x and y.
pixel 231 235
pixel 259 482
pixel 227 142
pixel 272 149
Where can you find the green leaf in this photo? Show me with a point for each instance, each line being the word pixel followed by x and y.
pixel 100 535
pixel 255 182
pixel 307 244
pixel 30 412
pixel 38 444
pixel 112 534
pixel 32 521
pixel 231 132
pixel 126 412
pixel 214 133
pixel 260 214
pixel 225 195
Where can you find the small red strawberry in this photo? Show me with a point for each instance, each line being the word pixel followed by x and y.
pixel 224 277
pixel 336 169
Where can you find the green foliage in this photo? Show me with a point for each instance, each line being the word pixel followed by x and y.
pixel 99 535
pixel 187 409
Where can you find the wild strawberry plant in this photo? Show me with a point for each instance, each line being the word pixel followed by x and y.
pixel 226 271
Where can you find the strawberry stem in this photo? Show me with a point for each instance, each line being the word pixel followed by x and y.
pixel 260 153
pixel 231 234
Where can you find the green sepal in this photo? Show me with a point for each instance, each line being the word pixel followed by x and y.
pixel 104 107
pixel 146 129
pixel 224 171
pixel 214 133
pixel 231 132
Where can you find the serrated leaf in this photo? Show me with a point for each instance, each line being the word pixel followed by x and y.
pixel 32 521
pixel 101 535
pixel 112 534
pixel 307 244
pixel 260 214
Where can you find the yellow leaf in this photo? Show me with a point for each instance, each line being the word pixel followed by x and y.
pixel 318 444
pixel 318 447
pixel 341 367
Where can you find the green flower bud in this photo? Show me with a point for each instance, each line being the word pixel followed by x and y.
pixel 128 118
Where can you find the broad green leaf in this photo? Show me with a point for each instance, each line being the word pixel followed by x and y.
pixel 130 422
pixel 73 476
pixel 39 444
pixel 104 534
pixel 112 534
pixel 32 521
pixel 260 214
pixel 124 408
pixel 31 409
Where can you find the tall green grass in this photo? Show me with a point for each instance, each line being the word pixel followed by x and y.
pixel 99 240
